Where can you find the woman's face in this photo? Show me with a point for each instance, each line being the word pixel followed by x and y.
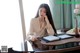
pixel 42 12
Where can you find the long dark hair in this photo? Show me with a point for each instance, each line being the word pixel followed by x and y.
pixel 48 13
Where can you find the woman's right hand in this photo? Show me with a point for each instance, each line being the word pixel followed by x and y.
pixel 33 38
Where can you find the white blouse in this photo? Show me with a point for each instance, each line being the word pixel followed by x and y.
pixel 36 29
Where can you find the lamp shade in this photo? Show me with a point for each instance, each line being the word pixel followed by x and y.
pixel 77 11
pixel 77 6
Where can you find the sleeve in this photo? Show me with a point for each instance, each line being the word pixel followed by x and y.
pixel 31 30
pixel 49 28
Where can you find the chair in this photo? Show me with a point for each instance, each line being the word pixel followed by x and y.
pixel 28 47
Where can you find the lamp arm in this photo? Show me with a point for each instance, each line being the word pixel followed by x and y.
pixel 76 28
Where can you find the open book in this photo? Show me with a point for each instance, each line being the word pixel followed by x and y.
pixel 54 38
pixel 50 38
pixel 65 36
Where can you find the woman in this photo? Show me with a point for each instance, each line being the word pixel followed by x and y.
pixel 42 25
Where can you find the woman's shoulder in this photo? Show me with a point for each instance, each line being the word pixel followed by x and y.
pixel 34 19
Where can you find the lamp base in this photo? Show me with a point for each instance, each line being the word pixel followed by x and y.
pixel 77 35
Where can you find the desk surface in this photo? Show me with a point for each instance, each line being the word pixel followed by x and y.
pixel 58 42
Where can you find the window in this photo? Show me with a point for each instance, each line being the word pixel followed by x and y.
pixel 10 24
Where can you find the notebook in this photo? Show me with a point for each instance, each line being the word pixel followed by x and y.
pixel 64 36
pixel 54 38
pixel 51 38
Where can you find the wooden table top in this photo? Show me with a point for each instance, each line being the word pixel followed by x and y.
pixel 59 42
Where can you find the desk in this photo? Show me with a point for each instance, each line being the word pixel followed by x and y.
pixel 56 43
pixel 59 42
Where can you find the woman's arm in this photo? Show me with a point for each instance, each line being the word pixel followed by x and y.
pixel 49 27
pixel 31 35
